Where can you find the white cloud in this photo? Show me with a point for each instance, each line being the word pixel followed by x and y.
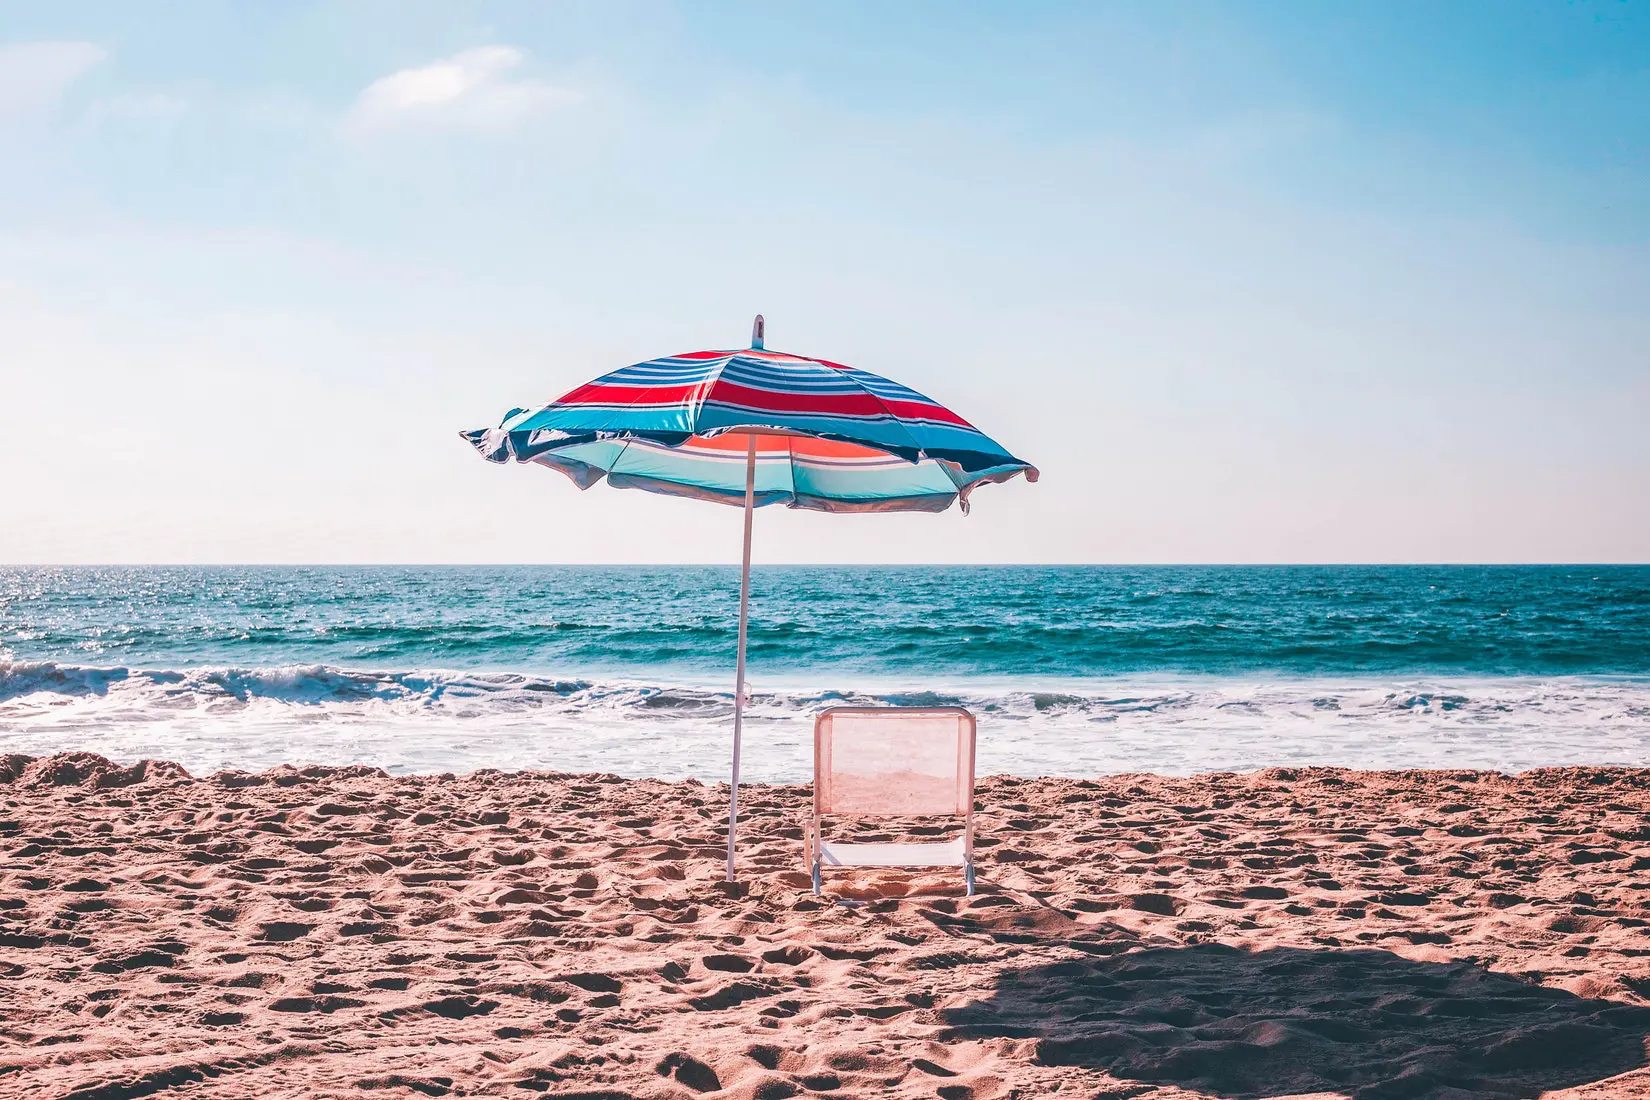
pixel 34 75
pixel 470 90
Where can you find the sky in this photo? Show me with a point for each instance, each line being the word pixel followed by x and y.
pixel 1249 282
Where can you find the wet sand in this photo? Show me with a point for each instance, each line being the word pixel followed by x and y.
pixel 326 932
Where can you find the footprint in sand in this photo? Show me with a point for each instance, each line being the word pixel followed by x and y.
pixel 283 931
pixel 734 993
pixel 690 1071
pixel 325 1005
pixel 594 983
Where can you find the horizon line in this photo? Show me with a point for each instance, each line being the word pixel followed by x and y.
pixel 1318 564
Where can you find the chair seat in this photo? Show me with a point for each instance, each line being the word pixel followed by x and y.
pixel 950 853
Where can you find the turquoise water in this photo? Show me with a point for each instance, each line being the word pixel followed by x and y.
pixel 1083 669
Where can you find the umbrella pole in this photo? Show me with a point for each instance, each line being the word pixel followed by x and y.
pixel 739 667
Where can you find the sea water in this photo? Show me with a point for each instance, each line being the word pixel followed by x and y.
pixel 1077 670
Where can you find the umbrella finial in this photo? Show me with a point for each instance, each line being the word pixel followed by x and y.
pixel 759 331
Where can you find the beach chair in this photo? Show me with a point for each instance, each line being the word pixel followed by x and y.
pixel 872 762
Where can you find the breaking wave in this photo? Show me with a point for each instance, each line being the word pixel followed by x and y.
pixel 427 720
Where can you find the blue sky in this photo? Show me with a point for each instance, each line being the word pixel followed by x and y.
pixel 1250 282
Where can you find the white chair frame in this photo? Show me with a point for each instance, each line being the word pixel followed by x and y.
pixel 820 853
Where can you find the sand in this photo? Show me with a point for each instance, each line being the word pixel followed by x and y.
pixel 342 933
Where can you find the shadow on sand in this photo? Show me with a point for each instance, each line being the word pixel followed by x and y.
pixel 1365 1023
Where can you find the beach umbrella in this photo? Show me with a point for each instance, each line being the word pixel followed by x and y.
pixel 755 427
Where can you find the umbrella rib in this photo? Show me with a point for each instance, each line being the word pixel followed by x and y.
pixel 915 446
pixel 618 458
pixel 708 387
pixel 790 457
pixel 838 372
pixel 703 391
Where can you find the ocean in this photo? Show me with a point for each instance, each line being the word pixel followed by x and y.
pixel 1077 670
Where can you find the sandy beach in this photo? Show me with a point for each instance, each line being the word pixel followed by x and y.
pixel 343 933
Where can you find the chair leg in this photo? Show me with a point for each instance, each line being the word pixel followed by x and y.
pixel 810 833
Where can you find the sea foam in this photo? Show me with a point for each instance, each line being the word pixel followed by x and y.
pixel 433 720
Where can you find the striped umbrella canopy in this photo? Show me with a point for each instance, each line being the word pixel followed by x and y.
pixel 828 437
pixel 755 427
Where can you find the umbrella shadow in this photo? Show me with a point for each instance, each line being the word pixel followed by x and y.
pixel 1365 1023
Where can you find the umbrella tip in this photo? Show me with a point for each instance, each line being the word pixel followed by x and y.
pixel 759 332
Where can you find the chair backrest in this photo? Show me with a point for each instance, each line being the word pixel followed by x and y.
pixel 894 761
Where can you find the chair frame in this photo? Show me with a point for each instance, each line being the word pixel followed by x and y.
pixel 814 837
